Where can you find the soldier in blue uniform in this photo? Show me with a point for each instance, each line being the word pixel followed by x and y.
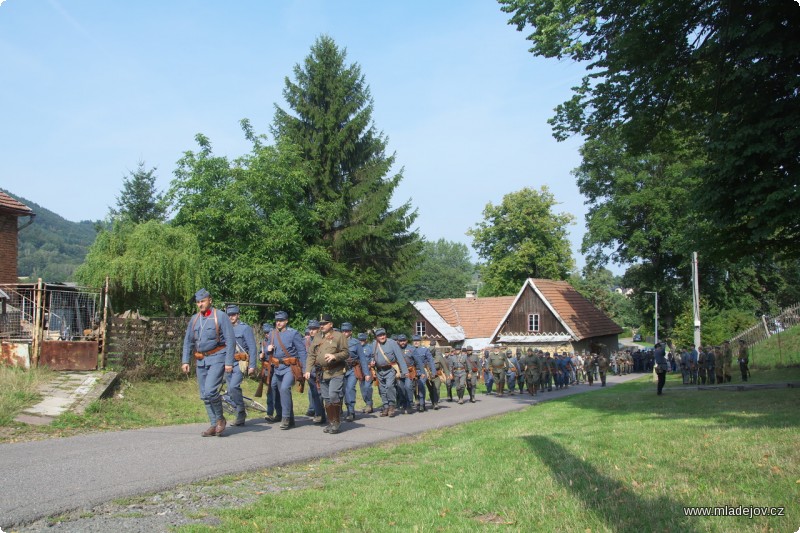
pixel 289 351
pixel 405 386
pixel 273 400
pixel 367 362
pixel 316 408
pixel 245 357
pixel 426 369
pixel 460 372
pixel 210 341
pixel 350 379
pixel 387 353
pixel 512 372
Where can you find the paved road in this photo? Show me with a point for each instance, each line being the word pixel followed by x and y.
pixel 45 478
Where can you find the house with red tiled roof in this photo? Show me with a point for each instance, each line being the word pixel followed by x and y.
pixel 545 314
pixel 10 212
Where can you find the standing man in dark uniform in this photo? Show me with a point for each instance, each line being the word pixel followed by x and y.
pixel 245 357
pixel 602 367
pixel 512 372
pixel 488 377
pixel 387 353
pixel 289 356
pixel 350 379
pixel 498 363
pixel 426 369
pixel 475 372
pixel 662 365
pixel 460 371
pixel 440 375
pixel 744 359
pixel 367 362
pixel 328 354
pixel 210 340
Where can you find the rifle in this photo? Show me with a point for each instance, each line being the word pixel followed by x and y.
pixel 264 377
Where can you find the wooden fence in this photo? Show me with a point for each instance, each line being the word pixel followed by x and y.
pixel 770 325
pixel 146 346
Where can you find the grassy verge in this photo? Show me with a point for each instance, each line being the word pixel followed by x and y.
pixel 781 349
pixel 18 389
pixel 618 459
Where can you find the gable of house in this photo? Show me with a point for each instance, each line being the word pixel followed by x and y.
pixel 10 211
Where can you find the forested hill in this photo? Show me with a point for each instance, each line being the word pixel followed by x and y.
pixel 52 247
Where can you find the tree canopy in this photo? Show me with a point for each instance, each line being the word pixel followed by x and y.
pixel 521 238
pixel 445 271
pixel 722 76
pixel 139 201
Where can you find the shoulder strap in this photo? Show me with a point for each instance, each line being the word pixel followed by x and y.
pixel 285 351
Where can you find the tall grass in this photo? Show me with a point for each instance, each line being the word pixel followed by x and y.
pixel 18 389
pixel 780 350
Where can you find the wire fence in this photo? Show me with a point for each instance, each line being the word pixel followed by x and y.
pixel 17 307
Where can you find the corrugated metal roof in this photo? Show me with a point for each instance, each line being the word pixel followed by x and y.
pixel 9 205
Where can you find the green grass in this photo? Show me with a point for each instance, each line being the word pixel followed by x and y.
pixel 779 350
pixel 618 459
pixel 18 389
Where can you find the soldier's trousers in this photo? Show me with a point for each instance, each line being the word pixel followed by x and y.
pixel 511 379
pixel 488 380
pixel 332 389
pixel 315 397
pixel 743 370
pixel 602 379
pixel 459 380
pixel 282 386
pixel 405 393
pixel 350 390
pixel 499 378
pixel 366 391
pixel 565 378
pixel 419 387
pixel 273 401
pixel 233 382
pixel 532 379
pixel 711 376
pixel 701 376
pixel 434 387
pixel 386 387
pixel 209 380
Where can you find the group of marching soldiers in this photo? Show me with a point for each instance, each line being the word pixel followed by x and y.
pixel 712 364
pixel 333 362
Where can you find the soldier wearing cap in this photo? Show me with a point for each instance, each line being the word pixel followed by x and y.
pixel 744 359
pixel 475 372
pixel 488 377
pixel 405 385
pixel 210 340
pixel 329 353
pixel 440 372
pixel 512 371
pixel 245 357
pixel 387 353
pixel 367 362
pixel 530 366
pixel 353 362
pixel 426 368
pixel 450 383
pixel 273 400
pixel 460 372
pixel 316 408
pixel 289 353
pixel 498 363
pixel 602 367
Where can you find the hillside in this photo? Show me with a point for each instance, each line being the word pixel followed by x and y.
pixel 52 247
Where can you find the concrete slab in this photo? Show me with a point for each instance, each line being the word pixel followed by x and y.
pixel 34 420
pixel 69 391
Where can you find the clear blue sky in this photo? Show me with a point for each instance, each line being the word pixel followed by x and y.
pixel 90 87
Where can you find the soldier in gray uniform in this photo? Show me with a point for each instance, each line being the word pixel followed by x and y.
pixel 245 356
pixel 441 374
pixel 460 371
pixel 273 400
pixel 475 372
pixel 367 362
pixel 387 353
pixel 405 386
pixel 498 363
pixel 210 341
pixel 426 369
pixel 289 359
pixel 512 372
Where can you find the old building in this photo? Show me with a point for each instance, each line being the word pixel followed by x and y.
pixel 10 212
pixel 545 314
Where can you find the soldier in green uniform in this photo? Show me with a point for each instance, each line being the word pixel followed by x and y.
pixel 328 354
pixel 435 381
pixel 744 359
pixel 727 360
pixel 602 367
pixel 498 363
pixel 718 365
pixel 532 370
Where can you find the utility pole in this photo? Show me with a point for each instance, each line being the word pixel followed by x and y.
pixel 696 300
pixel 656 329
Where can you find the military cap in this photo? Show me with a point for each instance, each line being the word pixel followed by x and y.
pixel 202 294
pixel 325 318
pixel 402 337
pixel 508 352
pixel 416 338
pixel 347 326
pixel 463 348
pixel 379 332
pixel 281 315
pixel 313 324
pixel 267 327
pixel 232 309
pixel 362 336
pixel 469 348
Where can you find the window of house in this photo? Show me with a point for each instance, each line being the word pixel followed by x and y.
pixel 533 322
pixel 420 328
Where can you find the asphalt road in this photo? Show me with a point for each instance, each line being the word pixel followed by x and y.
pixel 46 478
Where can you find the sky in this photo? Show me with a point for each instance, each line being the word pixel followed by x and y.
pixel 89 88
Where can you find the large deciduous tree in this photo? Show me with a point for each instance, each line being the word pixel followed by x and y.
pixel 351 183
pixel 521 238
pixel 445 271
pixel 724 76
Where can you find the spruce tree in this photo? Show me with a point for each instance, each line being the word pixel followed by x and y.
pixel 139 201
pixel 330 121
